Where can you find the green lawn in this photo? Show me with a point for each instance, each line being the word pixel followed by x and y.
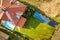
pixel 14 35
pixel 32 22
pixel 42 32
pixel 36 29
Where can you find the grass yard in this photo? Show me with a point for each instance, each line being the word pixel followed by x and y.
pixel 32 22
pixel 14 35
pixel 42 32
pixel 33 28
pixel 36 29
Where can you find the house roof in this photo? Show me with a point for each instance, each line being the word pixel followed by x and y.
pixel 1 13
pixel 18 22
pixel 0 1
pixel 6 3
pixel 13 16
pixel 17 7
pixel 21 22
pixel 14 12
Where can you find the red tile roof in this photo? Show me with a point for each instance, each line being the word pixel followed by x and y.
pixel 13 15
pixel 1 13
pixel 6 3
pixel 12 10
pixel 0 1
pixel 15 8
pixel 21 22
pixel 4 17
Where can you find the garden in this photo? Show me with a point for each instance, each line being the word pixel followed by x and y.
pixel 33 29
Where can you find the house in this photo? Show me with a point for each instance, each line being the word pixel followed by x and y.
pixel 8 25
pixel 13 14
pixel 3 36
pixel 5 3
pixel 1 13
pixel 44 19
pixel 0 3
pixel 21 22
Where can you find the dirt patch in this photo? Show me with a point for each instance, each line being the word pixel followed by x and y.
pixel 51 8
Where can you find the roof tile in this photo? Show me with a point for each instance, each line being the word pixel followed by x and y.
pixel 21 22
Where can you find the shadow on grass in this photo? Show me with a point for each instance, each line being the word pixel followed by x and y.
pixel 32 22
